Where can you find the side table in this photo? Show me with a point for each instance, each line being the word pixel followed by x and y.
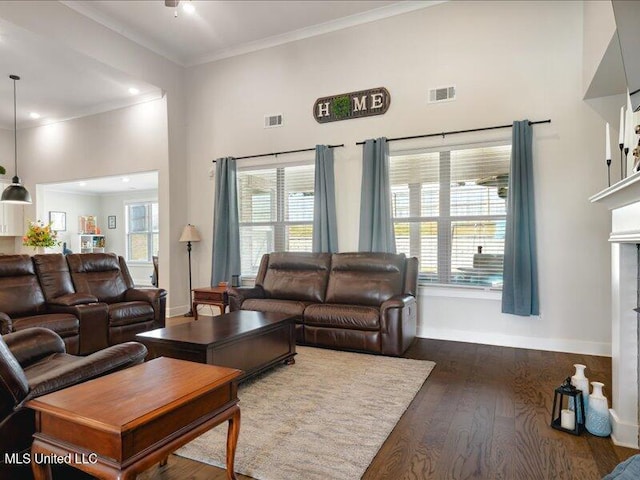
pixel 216 296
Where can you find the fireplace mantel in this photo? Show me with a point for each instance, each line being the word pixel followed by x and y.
pixel 620 194
pixel 623 200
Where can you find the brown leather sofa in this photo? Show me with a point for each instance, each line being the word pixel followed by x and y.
pixel 130 310
pixel 351 301
pixel 88 299
pixel 33 362
pixel 23 304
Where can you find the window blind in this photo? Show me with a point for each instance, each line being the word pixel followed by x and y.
pixel 276 212
pixel 142 231
pixel 449 210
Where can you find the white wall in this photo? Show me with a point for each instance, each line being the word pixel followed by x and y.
pixel 124 141
pixel 74 205
pixel 509 61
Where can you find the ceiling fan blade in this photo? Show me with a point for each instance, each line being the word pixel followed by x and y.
pixel 171 3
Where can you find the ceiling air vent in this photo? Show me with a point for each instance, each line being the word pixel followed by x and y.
pixel 444 94
pixel 271 121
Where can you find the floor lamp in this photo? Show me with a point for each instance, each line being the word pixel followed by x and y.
pixel 189 234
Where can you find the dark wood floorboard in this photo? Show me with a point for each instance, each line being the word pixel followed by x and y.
pixel 483 413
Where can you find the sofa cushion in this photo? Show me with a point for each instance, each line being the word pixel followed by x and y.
pixel 125 313
pixel 295 276
pixel 98 274
pixel 20 292
pixel 365 278
pixel 64 324
pixel 54 275
pixel 342 316
pixel 288 307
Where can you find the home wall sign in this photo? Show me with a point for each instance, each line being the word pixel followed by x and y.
pixel 345 106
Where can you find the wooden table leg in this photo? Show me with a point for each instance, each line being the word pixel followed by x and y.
pixel 232 442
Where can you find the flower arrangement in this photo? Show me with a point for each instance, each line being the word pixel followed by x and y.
pixel 40 234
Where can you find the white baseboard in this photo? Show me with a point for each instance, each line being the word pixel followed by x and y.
pixel 176 311
pixel 516 341
pixel 623 434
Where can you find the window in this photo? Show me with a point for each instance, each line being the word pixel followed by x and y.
pixel 142 231
pixel 276 212
pixel 449 210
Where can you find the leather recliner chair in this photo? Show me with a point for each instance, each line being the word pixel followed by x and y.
pixel 130 310
pixel 33 362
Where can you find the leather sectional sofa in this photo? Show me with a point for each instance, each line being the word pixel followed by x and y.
pixel 88 299
pixel 351 301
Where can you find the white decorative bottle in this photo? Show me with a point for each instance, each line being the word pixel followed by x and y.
pixel 598 422
pixel 581 382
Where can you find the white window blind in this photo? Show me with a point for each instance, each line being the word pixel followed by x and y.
pixel 449 210
pixel 142 231
pixel 276 212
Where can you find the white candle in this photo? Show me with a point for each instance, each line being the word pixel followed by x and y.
pixel 632 139
pixel 621 135
pixel 607 143
pixel 568 419
pixel 627 130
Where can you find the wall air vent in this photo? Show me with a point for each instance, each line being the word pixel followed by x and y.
pixel 272 121
pixel 443 94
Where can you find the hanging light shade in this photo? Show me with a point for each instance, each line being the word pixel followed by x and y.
pixel 15 193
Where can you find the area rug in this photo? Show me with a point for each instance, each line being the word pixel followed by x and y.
pixel 324 418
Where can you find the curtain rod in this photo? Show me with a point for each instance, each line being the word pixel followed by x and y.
pixel 283 152
pixel 456 131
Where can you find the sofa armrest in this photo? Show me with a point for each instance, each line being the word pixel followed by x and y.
pixel 33 344
pixel 115 357
pixel 72 299
pixel 157 297
pixel 150 295
pixel 6 325
pixel 398 318
pixel 93 321
pixel 237 295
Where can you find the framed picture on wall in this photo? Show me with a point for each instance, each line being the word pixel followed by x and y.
pixel 111 221
pixel 58 221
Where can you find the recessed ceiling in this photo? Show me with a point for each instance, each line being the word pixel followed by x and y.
pixel 59 83
pixel 108 185
pixel 218 29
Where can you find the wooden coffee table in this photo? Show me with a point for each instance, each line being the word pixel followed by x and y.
pixel 119 425
pixel 247 340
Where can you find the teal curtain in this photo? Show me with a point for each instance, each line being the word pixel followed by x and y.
pixel 226 226
pixel 325 229
pixel 520 289
pixel 376 225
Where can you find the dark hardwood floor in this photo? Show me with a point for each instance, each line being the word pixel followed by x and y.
pixel 483 413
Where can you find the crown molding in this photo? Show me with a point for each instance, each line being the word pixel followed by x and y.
pixel 85 8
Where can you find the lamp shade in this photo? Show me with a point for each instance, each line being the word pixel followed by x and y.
pixel 190 234
pixel 15 193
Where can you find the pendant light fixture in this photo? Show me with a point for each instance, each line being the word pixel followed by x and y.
pixel 15 193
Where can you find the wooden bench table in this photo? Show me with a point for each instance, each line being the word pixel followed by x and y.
pixel 119 425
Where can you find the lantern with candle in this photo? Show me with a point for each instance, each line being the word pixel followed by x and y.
pixel 563 418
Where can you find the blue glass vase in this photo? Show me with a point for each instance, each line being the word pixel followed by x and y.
pixel 598 422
